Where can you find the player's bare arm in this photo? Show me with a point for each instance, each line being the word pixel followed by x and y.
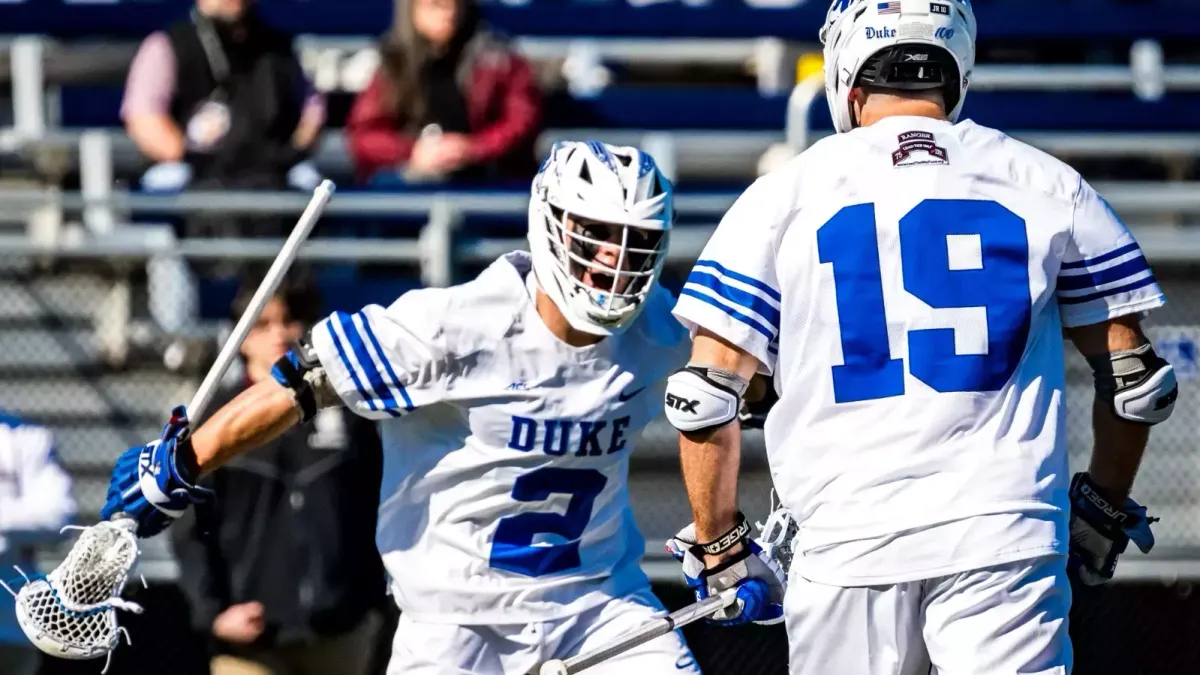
pixel 703 402
pixel 710 457
pixel 297 389
pixel 257 416
pixel 1135 389
pixel 1119 442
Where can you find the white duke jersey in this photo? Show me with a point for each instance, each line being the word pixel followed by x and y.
pixel 506 451
pixel 907 283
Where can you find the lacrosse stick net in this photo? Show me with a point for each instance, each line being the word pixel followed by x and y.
pixel 71 612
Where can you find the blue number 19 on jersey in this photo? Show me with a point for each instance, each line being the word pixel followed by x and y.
pixel 1000 285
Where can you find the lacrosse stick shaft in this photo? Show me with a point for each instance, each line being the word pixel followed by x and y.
pixel 690 614
pixel 279 268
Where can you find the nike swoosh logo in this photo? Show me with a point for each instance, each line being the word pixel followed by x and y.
pixel 626 395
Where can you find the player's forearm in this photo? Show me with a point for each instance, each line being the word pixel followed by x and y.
pixel 710 464
pixel 1119 446
pixel 257 416
pixel 1118 443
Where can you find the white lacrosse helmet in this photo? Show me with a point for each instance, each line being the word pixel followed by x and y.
pixel 593 199
pixel 897 44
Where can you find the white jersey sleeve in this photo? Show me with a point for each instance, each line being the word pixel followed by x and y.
pixel 733 290
pixel 1103 274
pixel 386 362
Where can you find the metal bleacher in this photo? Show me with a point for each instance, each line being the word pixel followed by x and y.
pixel 72 261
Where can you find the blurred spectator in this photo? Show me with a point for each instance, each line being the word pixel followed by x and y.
pixel 219 100
pixel 282 572
pixel 35 502
pixel 450 100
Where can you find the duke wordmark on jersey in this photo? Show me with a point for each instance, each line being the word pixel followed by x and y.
pixel 582 438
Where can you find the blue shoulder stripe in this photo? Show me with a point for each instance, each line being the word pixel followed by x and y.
pixel 374 379
pixel 749 321
pixel 736 296
pixel 749 281
pixel 1140 283
pixel 408 405
pixel 1076 282
pixel 341 350
pixel 1117 253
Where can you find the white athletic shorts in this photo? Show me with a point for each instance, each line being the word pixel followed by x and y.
pixel 447 649
pixel 1004 620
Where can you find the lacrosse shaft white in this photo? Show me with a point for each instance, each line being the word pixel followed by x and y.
pixel 690 614
pixel 279 268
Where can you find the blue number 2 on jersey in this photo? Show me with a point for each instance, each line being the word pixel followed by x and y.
pixel 1000 286
pixel 512 546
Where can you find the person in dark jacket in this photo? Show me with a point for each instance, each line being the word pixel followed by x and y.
pixel 219 99
pixel 450 100
pixel 283 572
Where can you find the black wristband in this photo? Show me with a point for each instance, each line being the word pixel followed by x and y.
pixel 738 533
pixel 291 375
pixel 187 465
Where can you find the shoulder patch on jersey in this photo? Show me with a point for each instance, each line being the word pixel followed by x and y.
pixel 918 148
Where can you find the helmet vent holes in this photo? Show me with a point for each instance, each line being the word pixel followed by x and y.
pixel 585 174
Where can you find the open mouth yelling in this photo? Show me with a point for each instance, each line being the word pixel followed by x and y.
pixel 600 280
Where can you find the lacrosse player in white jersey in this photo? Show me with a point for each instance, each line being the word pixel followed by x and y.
pixel 907 282
pixel 509 406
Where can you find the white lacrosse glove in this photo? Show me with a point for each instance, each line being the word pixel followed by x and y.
pixel 759 580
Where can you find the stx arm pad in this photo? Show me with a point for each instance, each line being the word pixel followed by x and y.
pixel 1139 384
pixel 700 398
pixel 301 373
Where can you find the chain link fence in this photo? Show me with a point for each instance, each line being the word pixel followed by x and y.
pixel 79 353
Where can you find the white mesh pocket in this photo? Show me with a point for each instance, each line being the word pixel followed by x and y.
pixel 71 613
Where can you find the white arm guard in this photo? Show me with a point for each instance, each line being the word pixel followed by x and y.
pixel 700 398
pixel 1138 383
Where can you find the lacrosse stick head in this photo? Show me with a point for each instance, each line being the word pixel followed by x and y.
pixel 778 534
pixel 71 613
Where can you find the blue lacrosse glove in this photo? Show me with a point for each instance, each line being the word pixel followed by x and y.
pixel 758 578
pixel 1100 532
pixel 151 484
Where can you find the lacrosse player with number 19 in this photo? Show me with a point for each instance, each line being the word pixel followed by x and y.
pixel 907 282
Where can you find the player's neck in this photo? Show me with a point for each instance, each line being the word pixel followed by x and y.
pixel 557 322
pixel 870 113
